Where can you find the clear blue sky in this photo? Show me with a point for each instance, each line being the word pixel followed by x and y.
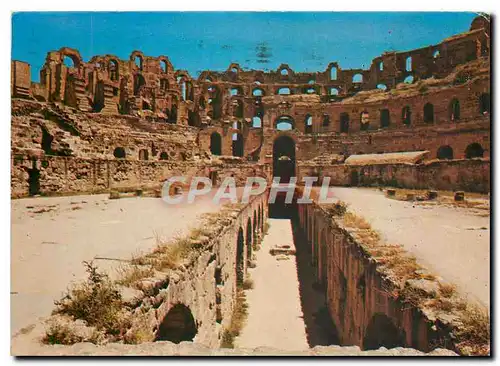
pixel 199 41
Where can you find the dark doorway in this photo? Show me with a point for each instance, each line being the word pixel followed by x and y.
pixel 215 144
pixel 284 158
pixel 445 152
pixel 34 180
pixel 238 147
pixel 240 264
pixel 474 150
pixel 354 178
pixel 177 326
pixel 249 241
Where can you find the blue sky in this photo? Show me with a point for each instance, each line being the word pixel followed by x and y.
pixel 197 41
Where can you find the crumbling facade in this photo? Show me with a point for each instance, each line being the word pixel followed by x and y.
pixel 144 113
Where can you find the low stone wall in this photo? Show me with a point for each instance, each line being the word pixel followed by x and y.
pixel 54 175
pixel 471 175
pixel 371 301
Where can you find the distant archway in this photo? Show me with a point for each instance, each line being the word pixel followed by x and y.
pixel 284 158
pixel 238 146
pixel 381 332
pixel 249 241
pixel 445 152
pixel 240 264
pixel 119 153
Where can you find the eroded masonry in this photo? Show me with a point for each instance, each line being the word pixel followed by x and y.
pixel 415 119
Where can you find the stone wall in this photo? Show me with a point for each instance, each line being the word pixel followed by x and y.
pixel 471 175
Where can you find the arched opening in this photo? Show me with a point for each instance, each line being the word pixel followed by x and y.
pixel 177 326
pixel 333 73
pixel 256 122
pixel 215 143
pixel 240 264
pixel 119 153
pixel 237 108
pixel 436 54
pixel 409 65
pixel 249 241
pixel 365 121
pixel 257 92
pixel 382 87
pixel 138 62
pixel 484 104
pixel 284 72
pixel 69 62
pixel 409 79
pixel 385 118
pixel 143 154
pixel 163 66
pixel 454 110
pixel 284 158
pixel 344 122
pixel 163 155
pixel 164 84
pixel 238 146
pixel 183 87
pixel 381 66
pixel 308 124
pixel 172 118
pixel 138 83
pixel 334 91
pixel 445 152
pixel 381 332
pixel 357 78
pixel 113 70
pixel 406 115
pixel 284 91
pixel 474 150
pixel 428 113
pixel 34 180
pixel 284 123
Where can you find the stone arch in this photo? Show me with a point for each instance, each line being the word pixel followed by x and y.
pixel 177 326
pixel 385 118
pixel 382 332
pixel 119 153
pixel 428 113
pixel 72 54
pixel 284 123
pixel 249 240
pixel 33 179
pixel 308 124
pixel 163 155
pixel 474 150
pixel 139 81
pixel 454 110
pixel 240 261
pixel 113 70
pixel 357 78
pixel 256 122
pixel 445 152
pixel 284 158
pixel 284 90
pixel 138 59
pixel 258 92
pixel 238 108
pixel 215 143
pixel 344 122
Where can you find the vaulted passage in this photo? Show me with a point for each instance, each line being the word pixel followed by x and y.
pixel 284 158
pixel 177 326
pixel 382 332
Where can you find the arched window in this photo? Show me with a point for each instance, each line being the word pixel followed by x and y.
pixel 163 66
pixel 183 87
pixel 138 62
pixel 113 70
pixel 344 122
pixel 215 143
pixel 385 118
pixel 406 115
pixel 238 147
pixel 409 65
pixel 474 150
pixel 358 78
pixel 428 113
pixel 484 104
pixel 310 91
pixel 445 152
pixel 334 91
pixel 333 73
pixel 234 91
pixel 308 124
pixel 284 91
pixel 238 108
pixel 284 72
pixel 138 83
pixel 257 92
pixel 119 153
pixel 365 120
pixel 256 122
pixel 143 154
pixel 382 87
pixel 177 326
pixel 381 66
pixel 163 155
pixel 284 123
pixel 454 110
pixel 436 54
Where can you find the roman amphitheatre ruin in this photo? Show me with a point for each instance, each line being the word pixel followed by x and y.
pixel 399 264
